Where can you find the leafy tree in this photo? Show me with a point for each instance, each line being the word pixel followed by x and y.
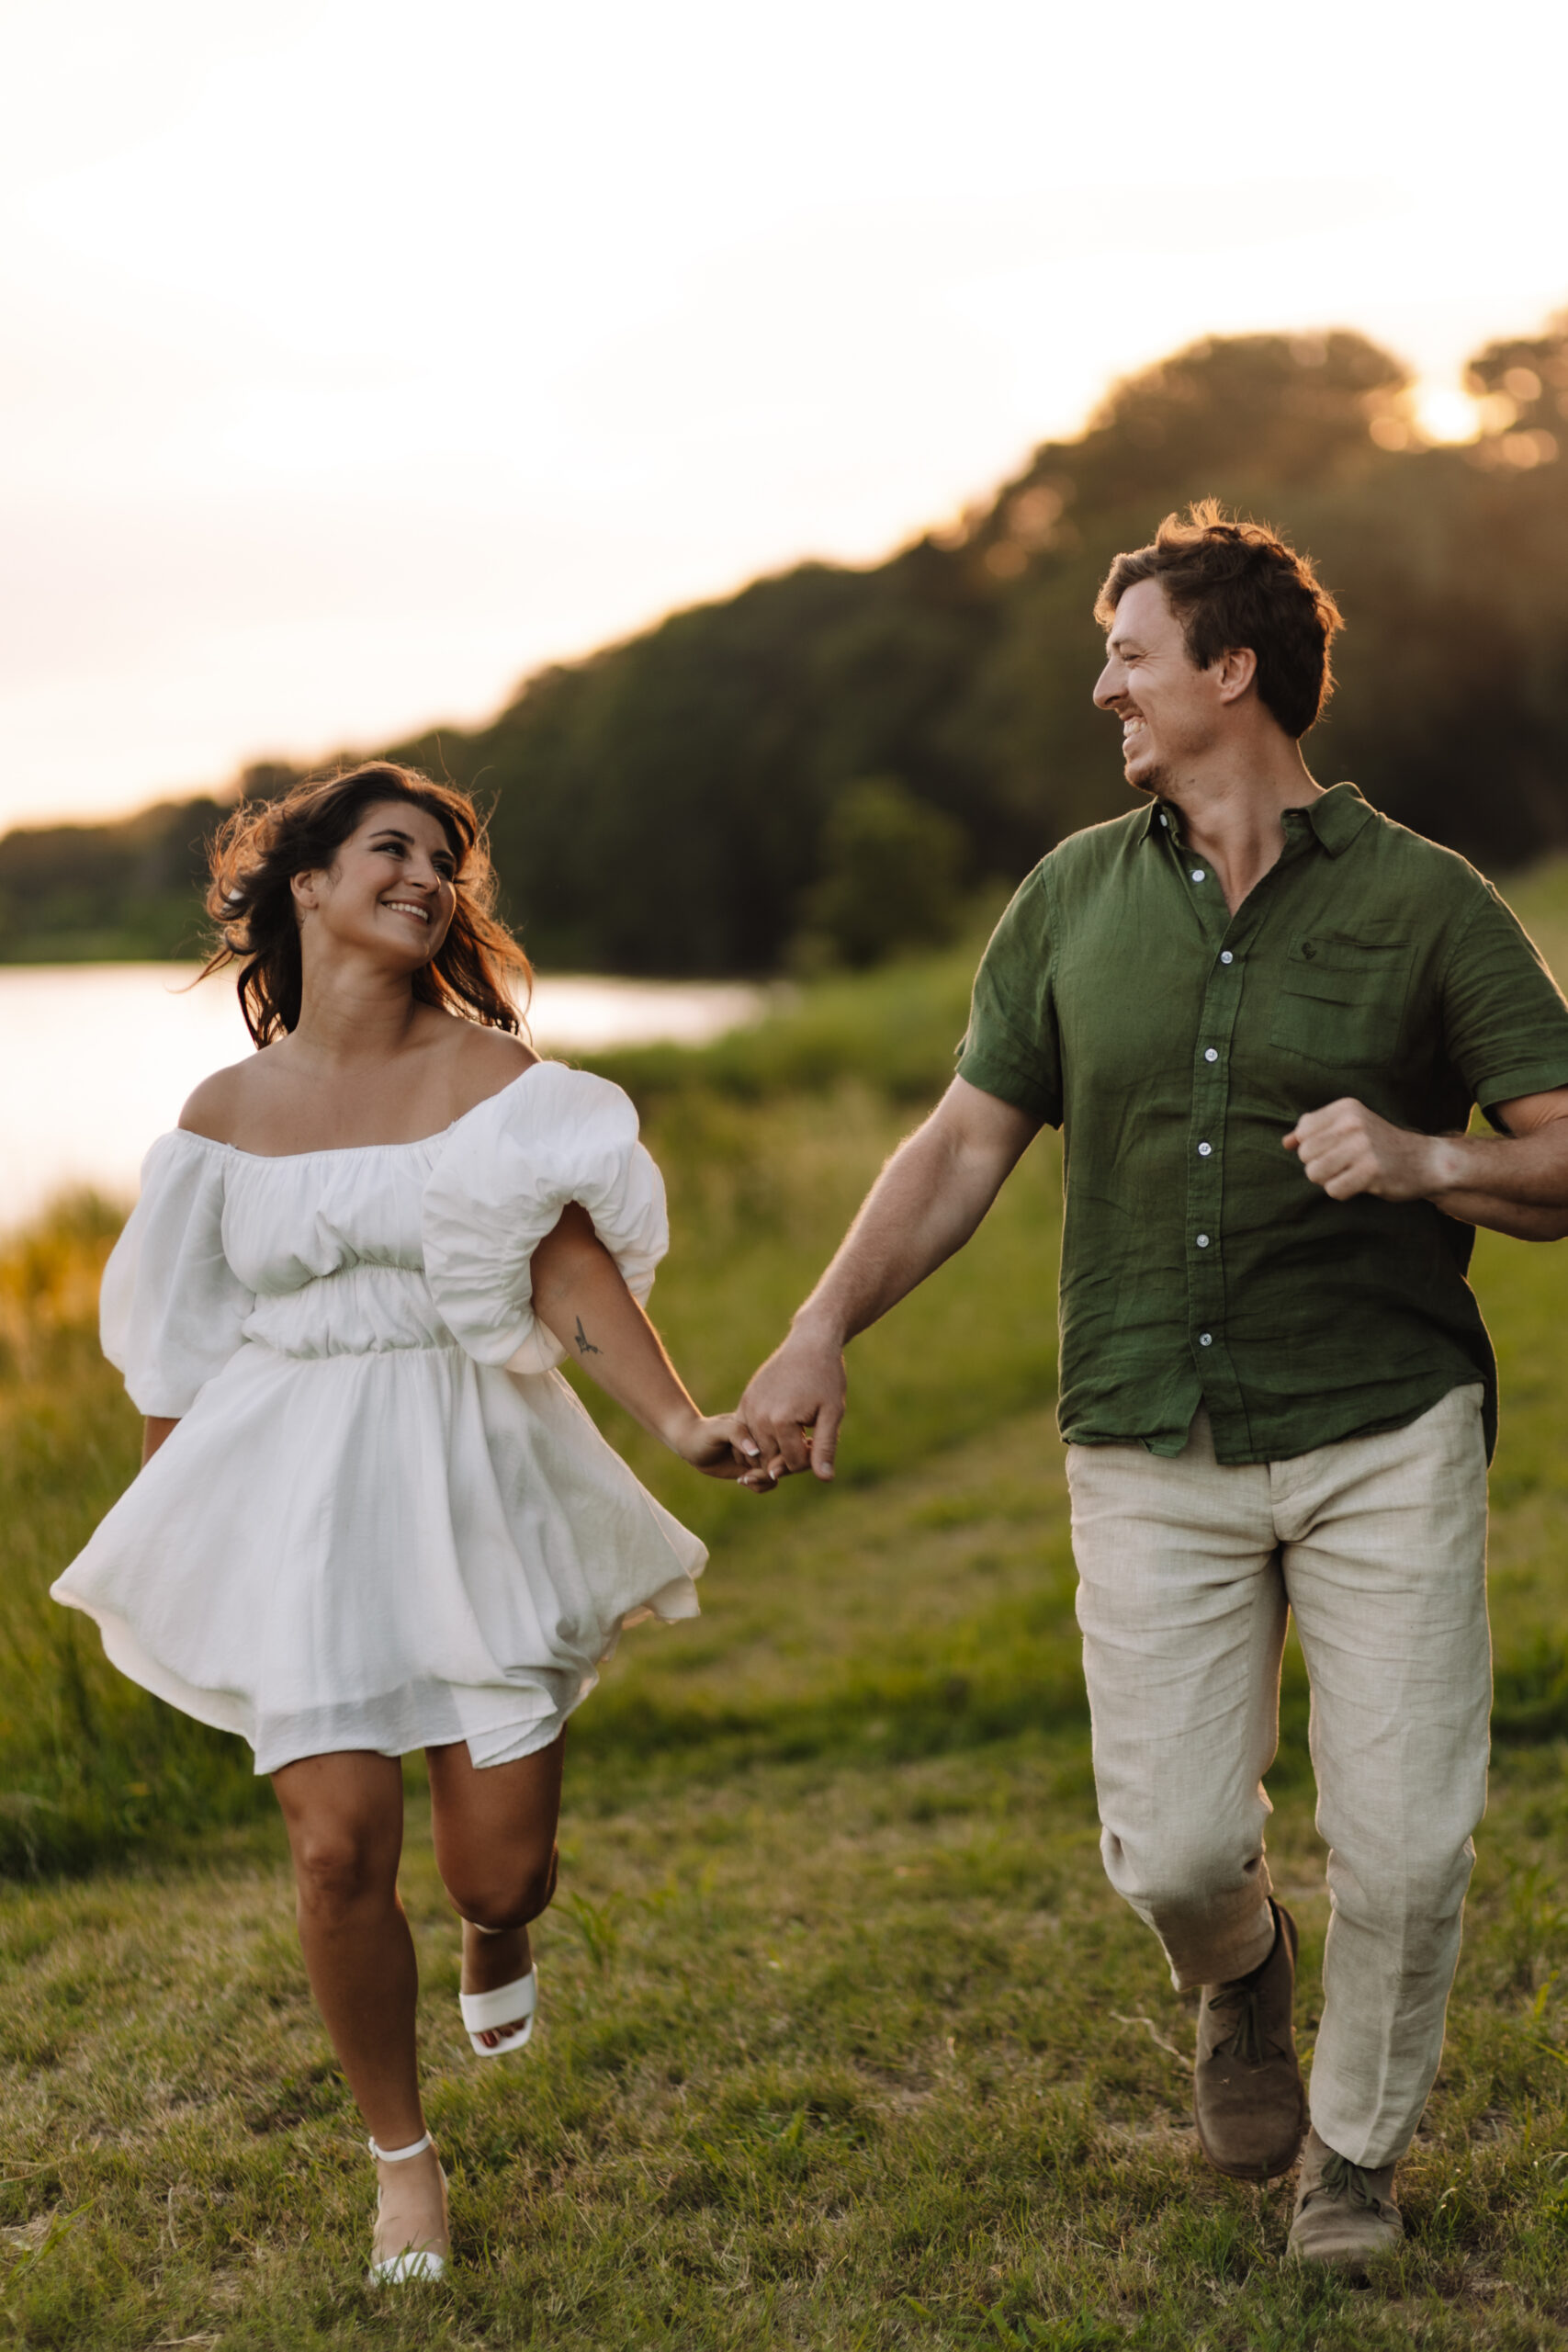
pixel 893 869
pixel 684 801
pixel 126 890
pixel 1524 384
pixel 662 806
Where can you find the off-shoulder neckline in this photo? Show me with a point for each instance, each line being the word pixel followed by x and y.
pixel 346 1150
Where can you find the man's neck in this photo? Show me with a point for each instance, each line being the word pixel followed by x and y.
pixel 1232 812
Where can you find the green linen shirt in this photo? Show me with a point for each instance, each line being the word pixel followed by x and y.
pixel 1175 1043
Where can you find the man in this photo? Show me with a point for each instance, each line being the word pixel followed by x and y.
pixel 1260 1013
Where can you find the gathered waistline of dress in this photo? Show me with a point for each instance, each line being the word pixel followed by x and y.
pixel 331 1350
pixel 370 1308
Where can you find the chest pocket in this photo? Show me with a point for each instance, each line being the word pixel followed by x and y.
pixel 1342 999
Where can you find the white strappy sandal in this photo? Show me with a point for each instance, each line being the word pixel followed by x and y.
pixel 403 2248
pixel 482 2012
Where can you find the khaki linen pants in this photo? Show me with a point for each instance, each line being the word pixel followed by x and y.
pixel 1188 1571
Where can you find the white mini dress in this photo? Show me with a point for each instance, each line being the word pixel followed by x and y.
pixel 383 1522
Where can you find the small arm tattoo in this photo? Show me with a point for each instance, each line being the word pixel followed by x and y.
pixel 585 1345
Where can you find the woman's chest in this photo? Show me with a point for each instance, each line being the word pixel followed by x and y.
pixel 289 1221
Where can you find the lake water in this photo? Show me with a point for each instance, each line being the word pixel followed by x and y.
pixel 95 1059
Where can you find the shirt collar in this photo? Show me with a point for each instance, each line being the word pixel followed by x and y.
pixel 1334 817
pixel 1337 817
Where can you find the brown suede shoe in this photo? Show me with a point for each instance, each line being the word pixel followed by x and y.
pixel 1345 2214
pixel 1247 2097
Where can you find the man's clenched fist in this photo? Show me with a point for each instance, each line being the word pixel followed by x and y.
pixel 1348 1150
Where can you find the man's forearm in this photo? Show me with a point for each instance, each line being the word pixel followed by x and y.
pixel 1520 1224
pixel 924 1207
pixel 1513 1184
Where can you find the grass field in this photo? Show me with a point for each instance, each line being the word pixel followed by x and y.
pixel 845 2041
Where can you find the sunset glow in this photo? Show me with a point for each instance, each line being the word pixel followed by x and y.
pixel 362 359
pixel 1446 414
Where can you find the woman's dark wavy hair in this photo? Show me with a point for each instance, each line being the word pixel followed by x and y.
pixel 479 971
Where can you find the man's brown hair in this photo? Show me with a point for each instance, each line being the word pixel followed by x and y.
pixel 1234 584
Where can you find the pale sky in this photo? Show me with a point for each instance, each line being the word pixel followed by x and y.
pixel 357 358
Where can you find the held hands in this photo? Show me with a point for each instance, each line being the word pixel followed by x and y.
pixel 795 1403
pixel 721 1446
pixel 788 1420
pixel 1347 1149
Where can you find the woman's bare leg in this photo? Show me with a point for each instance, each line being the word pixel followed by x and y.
pixel 344 1814
pixel 495 1848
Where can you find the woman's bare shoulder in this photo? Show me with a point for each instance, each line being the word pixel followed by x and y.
pixel 487 1060
pixel 213 1109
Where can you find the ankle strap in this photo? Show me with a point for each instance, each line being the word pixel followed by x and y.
pixel 398 2156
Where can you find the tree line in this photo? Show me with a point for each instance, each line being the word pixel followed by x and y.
pixel 820 768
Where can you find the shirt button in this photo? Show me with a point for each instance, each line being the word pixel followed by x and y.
pixel 1198 875
pixel 1224 955
pixel 1205 1149
pixel 1205 1338
pixel 1164 819
pixel 1209 1055
pixel 1202 1241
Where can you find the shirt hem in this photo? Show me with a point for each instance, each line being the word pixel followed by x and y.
pixel 1168 1446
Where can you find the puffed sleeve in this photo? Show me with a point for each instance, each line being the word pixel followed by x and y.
pixel 170 1310
pixel 553 1135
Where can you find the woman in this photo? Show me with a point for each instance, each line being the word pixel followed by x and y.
pixel 372 1516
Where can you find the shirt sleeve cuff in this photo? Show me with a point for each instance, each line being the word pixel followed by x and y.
pixel 1008 1085
pixel 1508 1085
